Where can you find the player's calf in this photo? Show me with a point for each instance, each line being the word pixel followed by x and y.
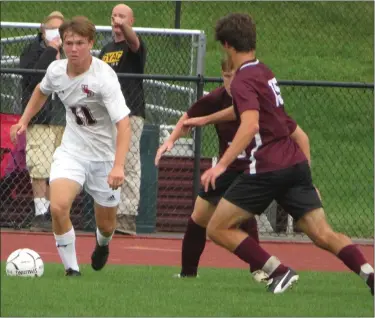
pixel 106 225
pixel 221 230
pixel 193 244
pixel 194 240
pixel 99 256
pixel 314 224
pixel 250 226
pixel 62 227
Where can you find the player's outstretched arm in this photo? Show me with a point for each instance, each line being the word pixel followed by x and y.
pixel 179 131
pixel 224 115
pixel 246 131
pixel 34 105
pixel 302 140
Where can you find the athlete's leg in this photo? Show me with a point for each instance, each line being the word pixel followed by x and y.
pixel 221 229
pixel 194 240
pixel 66 180
pixel 106 204
pixel 315 225
pixel 246 196
pixel 106 225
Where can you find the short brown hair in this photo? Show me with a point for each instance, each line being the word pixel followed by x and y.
pixel 238 30
pixel 226 65
pixel 79 25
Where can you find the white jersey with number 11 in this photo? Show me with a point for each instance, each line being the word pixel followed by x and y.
pixel 94 103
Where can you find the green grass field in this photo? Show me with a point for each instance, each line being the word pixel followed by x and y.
pixel 300 41
pixel 151 291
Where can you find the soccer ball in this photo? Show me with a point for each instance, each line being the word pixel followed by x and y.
pixel 24 262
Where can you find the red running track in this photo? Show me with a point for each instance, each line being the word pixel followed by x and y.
pixel 160 251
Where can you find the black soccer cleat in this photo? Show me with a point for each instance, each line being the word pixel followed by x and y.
pixel 99 257
pixel 72 272
pixel 370 283
pixel 280 284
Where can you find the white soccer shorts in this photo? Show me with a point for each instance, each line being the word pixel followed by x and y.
pixel 92 175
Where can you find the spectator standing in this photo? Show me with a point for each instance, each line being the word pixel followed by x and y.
pixel 46 129
pixel 127 54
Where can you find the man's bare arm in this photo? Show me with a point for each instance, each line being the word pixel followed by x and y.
pixel 248 128
pixel 224 115
pixel 180 130
pixel 301 138
pixel 122 141
pixel 130 37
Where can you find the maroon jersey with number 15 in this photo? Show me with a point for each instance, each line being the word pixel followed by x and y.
pixel 216 101
pixel 254 87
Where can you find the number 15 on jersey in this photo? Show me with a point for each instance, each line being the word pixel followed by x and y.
pixel 276 91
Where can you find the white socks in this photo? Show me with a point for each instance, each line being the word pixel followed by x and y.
pixel 41 206
pixel 65 244
pixel 270 266
pixel 366 270
pixel 67 250
pixel 102 240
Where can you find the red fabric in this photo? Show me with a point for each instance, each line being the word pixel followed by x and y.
pixel 10 152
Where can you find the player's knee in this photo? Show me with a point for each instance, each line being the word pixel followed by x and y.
pixel 106 226
pixel 203 211
pixel 106 229
pixel 213 233
pixel 59 210
pixel 199 219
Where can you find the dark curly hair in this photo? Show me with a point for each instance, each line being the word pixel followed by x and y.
pixel 237 30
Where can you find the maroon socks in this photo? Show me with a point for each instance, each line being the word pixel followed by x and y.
pixel 192 247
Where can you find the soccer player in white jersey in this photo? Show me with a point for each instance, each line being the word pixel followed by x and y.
pixel 95 141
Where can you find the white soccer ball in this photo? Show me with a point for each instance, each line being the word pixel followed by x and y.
pixel 24 262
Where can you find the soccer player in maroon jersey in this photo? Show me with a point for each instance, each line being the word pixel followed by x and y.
pixel 279 170
pixel 213 108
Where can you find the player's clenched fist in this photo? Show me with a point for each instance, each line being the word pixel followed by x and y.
pixel 16 130
pixel 116 177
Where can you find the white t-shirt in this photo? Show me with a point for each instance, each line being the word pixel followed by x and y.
pixel 94 103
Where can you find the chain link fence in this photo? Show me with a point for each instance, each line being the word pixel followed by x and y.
pixel 339 120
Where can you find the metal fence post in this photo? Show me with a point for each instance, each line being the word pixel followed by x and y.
pixel 177 15
pixel 197 146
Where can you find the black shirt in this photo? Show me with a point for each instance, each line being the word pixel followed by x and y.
pixel 39 56
pixel 123 60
